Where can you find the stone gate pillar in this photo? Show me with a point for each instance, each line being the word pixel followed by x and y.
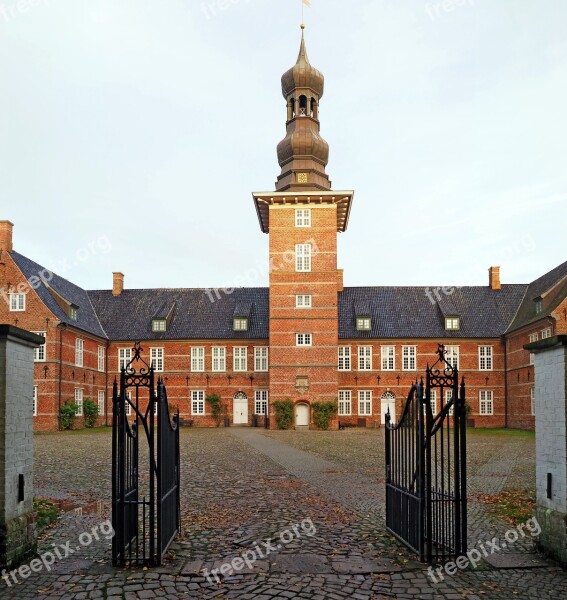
pixel 551 443
pixel 17 527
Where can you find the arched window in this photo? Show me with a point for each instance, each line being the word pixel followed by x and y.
pixel 388 396
pixel 240 396
pixel 302 106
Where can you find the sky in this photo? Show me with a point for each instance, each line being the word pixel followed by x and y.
pixel 133 133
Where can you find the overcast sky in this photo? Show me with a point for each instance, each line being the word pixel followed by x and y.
pixel 132 133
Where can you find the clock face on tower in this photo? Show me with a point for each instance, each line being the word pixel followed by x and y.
pixel 302 178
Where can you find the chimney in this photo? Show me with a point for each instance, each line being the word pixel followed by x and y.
pixel 117 283
pixel 494 278
pixel 6 236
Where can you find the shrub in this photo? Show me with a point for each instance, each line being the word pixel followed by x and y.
pixel 46 512
pixel 323 413
pixel 90 410
pixel 216 408
pixel 284 413
pixel 67 414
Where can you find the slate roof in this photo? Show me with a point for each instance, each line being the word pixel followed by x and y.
pixel 129 316
pixel 86 317
pixel 408 312
pixel 198 314
pixel 526 312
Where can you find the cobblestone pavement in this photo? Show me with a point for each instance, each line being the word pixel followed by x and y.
pixel 242 486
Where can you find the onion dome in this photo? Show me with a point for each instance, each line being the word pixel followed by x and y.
pixel 303 75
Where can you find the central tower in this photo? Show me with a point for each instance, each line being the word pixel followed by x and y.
pixel 302 218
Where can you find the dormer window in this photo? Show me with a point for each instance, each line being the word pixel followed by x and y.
pixel 538 306
pixel 452 323
pixel 159 325
pixel 240 324
pixel 73 312
pixel 363 323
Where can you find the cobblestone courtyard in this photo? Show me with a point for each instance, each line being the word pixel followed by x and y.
pixel 243 486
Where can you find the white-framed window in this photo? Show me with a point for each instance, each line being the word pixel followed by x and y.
pixel 365 403
pixel 345 403
pixel 39 353
pixel 101 403
pixel 17 302
pixel 303 339
pixel 409 358
pixel 240 324
pixel 197 359
pixel 35 400
pixel 124 357
pixel 532 400
pixel 303 301
pixel 159 325
pixel 73 312
pixel 485 358
pixel 533 338
pixel 303 258
pixel 452 323
pixel 219 358
pixel 433 401
pixel 452 356
pixel 261 402
pixel 127 405
pixel 363 323
pixel 344 358
pixel 197 402
pixel 448 398
pixel 101 357
pixel 486 402
pixel 240 356
pixel 261 358
pixel 546 333
pixel 79 401
pixel 388 355
pixel 79 352
pixel 365 358
pixel 157 359
pixel 303 217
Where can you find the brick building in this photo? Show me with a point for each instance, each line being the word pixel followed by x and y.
pixel 306 337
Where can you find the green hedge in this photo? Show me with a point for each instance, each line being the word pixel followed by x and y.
pixel 284 413
pixel 323 414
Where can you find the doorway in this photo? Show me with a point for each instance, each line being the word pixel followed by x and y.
pixel 240 409
pixel 302 415
pixel 388 402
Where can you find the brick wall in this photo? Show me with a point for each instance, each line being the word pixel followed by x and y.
pixel 399 381
pixel 57 376
pixel 180 380
pixel 288 361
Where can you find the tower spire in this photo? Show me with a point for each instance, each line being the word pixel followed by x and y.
pixel 303 154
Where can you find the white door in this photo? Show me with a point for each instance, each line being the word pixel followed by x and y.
pixel 301 415
pixel 391 405
pixel 240 410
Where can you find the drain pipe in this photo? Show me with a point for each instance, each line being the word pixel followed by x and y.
pixel 505 383
pixel 106 396
pixel 62 327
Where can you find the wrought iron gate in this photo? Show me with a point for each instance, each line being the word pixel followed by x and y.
pixel 426 492
pixel 145 487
